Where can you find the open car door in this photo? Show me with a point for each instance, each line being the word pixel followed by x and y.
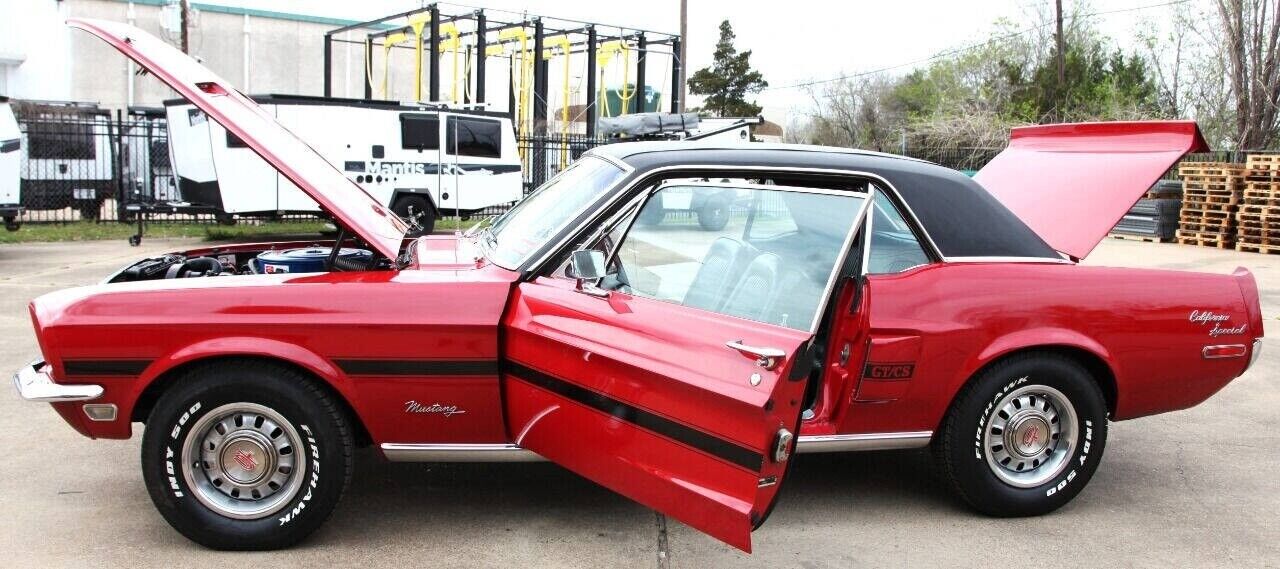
pixel 678 379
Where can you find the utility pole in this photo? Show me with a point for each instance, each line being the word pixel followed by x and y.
pixel 1062 49
pixel 684 46
pixel 185 7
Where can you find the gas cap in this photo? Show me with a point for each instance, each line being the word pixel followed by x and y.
pixel 782 445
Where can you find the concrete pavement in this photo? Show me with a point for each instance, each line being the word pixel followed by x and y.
pixel 1191 488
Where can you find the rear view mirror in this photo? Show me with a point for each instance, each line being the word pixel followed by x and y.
pixel 587 265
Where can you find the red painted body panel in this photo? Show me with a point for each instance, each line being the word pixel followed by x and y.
pixel 308 320
pixel 1071 183
pixel 666 359
pixel 970 314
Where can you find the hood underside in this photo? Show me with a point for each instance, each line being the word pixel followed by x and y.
pixel 1071 183
pixel 347 202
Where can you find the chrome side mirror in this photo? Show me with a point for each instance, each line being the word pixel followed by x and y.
pixel 588 266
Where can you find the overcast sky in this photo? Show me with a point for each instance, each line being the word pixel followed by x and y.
pixel 793 41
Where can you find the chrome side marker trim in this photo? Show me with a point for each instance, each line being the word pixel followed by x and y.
pixel 863 441
pixel 398 452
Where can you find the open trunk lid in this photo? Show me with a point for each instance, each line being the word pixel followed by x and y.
pixel 1071 183
pixel 347 202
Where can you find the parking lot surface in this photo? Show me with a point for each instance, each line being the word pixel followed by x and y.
pixel 1190 488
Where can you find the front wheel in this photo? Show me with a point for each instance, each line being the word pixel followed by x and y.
pixel 1025 436
pixel 246 455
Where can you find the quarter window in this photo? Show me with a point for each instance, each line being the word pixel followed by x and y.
pixel 894 246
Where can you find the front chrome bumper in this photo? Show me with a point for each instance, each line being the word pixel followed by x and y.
pixel 34 384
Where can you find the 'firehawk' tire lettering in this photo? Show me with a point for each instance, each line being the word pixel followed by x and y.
pixel 970 458
pixel 181 418
pixel 315 477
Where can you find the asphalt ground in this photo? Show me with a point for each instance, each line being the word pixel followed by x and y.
pixel 1195 488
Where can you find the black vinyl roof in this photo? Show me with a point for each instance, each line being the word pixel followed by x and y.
pixel 961 217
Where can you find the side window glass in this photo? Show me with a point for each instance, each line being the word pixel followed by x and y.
pixel 474 137
pixel 776 272
pixel 419 131
pixel 894 247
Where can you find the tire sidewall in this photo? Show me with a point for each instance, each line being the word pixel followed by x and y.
pixel 322 483
pixel 982 487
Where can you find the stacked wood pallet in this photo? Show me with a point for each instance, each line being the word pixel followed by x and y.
pixel 1258 219
pixel 1211 192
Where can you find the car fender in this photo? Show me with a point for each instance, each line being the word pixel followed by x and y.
pixel 250 346
pixel 1031 338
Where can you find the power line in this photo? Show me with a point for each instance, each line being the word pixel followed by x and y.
pixel 959 50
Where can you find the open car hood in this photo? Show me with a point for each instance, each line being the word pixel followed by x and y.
pixel 347 202
pixel 1071 183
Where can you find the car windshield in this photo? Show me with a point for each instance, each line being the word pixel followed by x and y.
pixel 527 226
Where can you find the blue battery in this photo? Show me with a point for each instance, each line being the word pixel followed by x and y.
pixel 308 260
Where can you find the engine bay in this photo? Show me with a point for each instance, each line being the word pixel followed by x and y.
pixel 276 258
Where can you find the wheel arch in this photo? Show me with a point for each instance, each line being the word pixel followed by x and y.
pixel 1093 360
pixel 400 193
pixel 161 381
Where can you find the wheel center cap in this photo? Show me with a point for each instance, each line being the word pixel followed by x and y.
pixel 1028 435
pixel 245 460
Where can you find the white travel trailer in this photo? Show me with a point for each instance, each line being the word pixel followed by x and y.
pixel 10 161
pixel 423 161
pixel 144 159
pixel 68 156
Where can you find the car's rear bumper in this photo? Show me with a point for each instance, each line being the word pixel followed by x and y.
pixel 35 384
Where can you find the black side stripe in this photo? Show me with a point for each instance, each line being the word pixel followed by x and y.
pixel 104 367
pixel 724 449
pixel 418 367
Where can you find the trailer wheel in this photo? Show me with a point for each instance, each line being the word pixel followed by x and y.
pixel 11 223
pixel 224 219
pixel 90 210
pixel 714 215
pixel 417 212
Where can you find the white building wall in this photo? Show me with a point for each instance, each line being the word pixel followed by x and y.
pixel 41 58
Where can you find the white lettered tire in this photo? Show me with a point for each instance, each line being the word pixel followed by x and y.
pixel 1025 436
pixel 246 455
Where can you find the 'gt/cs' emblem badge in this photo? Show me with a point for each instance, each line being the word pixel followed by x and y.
pixel 245 459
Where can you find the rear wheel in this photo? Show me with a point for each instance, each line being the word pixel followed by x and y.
pixel 417 212
pixel 1025 436
pixel 90 209
pixel 12 224
pixel 233 455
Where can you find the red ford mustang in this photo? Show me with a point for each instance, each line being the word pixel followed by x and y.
pixel 823 300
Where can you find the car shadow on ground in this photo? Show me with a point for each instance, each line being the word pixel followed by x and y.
pixel 387 500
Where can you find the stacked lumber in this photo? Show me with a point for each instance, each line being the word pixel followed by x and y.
pixel 1258 218
pixel 1211 194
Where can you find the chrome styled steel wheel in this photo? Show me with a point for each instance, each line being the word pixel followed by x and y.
pixel 1030 436
pixel 243 461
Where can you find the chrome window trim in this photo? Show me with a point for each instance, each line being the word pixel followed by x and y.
pixel 535 267
pixel 999 259
pixel 507 452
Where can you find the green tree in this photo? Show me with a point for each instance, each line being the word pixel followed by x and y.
pixel 729 79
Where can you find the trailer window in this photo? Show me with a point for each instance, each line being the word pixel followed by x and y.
pixel 419 132
pixel 474 137
pixel 60 140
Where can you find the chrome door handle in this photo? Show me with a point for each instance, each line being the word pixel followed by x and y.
pixel 767 358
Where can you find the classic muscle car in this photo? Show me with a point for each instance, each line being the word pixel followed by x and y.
pixel 850 301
